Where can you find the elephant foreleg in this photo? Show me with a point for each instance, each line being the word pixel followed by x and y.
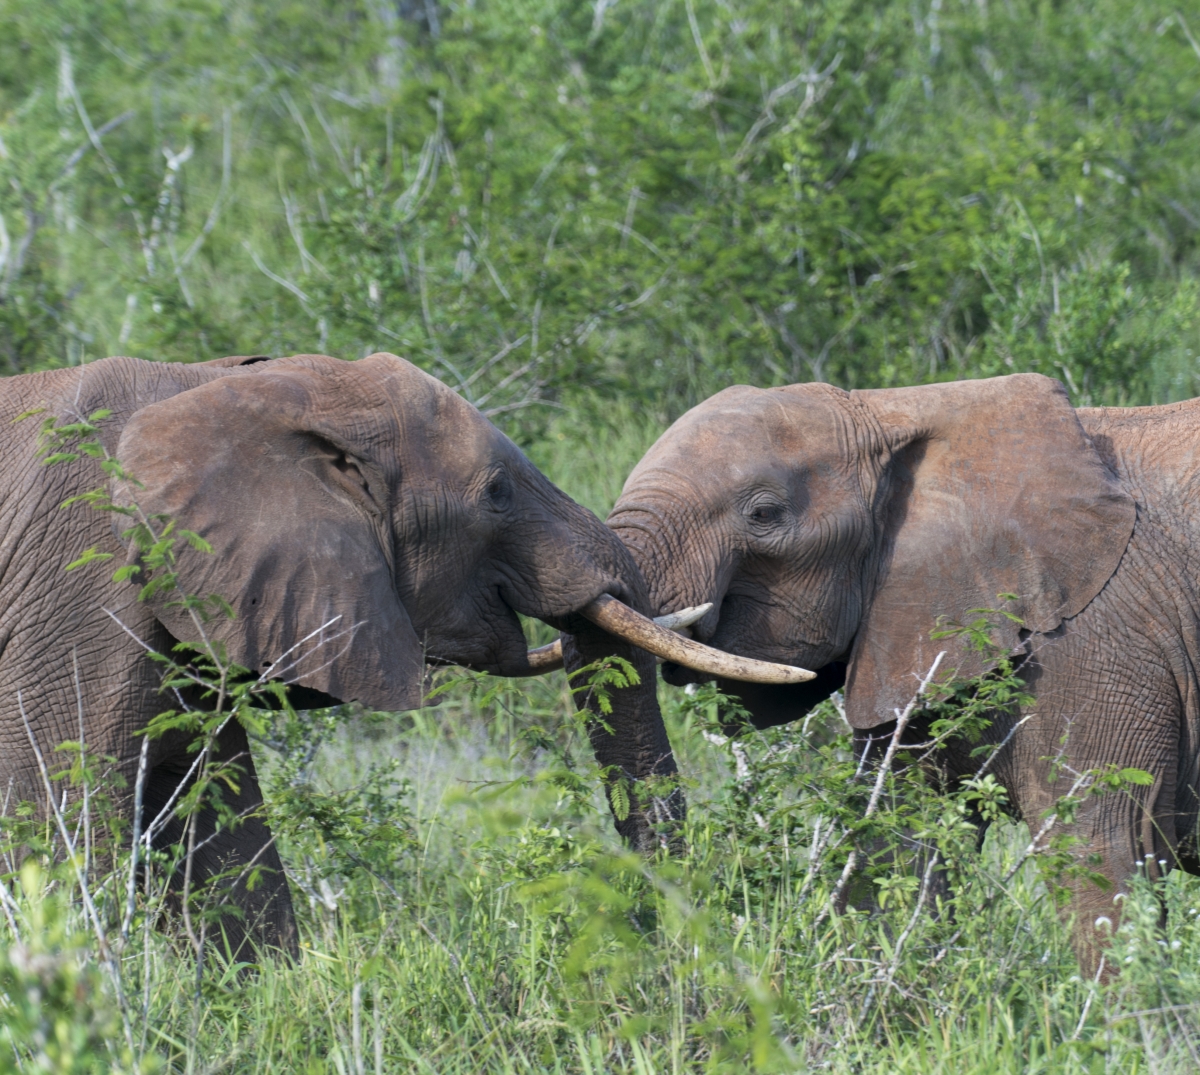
pixel 234 862
pixel 630 742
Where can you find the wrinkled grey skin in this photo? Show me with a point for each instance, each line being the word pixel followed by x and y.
pixel 362 505
pixel 833 529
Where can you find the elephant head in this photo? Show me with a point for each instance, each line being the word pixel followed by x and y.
pixel 836 530
pixel 366 520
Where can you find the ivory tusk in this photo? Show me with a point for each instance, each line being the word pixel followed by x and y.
pixel 549 658
pixel 685 617
pixel 619 619
pixel 546 658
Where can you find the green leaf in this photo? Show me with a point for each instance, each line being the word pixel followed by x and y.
pixel 196 541
pixel 114 469
pixel 89 556
pixel 97 498
pixel 221 605
pixel 166 581
pixel 619 797
pixel 1136 776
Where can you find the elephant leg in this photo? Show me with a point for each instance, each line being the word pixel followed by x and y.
pixel 1121 833
pixel 900 851
pixel 234 860
pixel 630 743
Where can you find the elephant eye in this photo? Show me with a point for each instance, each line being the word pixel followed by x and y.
pixel 498 492
pixel 766 514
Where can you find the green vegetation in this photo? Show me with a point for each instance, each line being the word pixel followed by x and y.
pixel 464 908
pixel 580 203
pixel 587 217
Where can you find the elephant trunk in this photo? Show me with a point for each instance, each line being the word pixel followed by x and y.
pixel 681 565
pixel 579 562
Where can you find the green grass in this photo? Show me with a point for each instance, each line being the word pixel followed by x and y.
pixel 502 929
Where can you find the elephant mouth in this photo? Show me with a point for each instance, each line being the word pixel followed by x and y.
pixel 660 637
pixel 488 638
pixel 753 624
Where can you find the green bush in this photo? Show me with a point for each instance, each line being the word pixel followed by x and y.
pixel 55 1013
pixel 543 203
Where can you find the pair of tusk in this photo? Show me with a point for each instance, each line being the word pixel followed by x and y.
pixel 549 658
pixel 658 637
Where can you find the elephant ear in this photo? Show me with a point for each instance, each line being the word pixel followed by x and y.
pixel 298 521
pixel 990 487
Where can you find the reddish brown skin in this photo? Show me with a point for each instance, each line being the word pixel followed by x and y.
pixel 879 512
pixel 364 492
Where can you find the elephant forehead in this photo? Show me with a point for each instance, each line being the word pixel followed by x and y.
pixel 735 434
pixel 387 402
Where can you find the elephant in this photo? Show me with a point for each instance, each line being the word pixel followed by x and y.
pixel 837 529
pixel 364 521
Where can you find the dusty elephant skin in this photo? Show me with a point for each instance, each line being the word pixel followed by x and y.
pixel 362 503
pixel 832 529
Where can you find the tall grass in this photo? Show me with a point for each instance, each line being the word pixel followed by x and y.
pixel 511 934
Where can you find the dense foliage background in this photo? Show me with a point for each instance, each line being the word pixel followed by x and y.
pixel 573 203
pixel 587 217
